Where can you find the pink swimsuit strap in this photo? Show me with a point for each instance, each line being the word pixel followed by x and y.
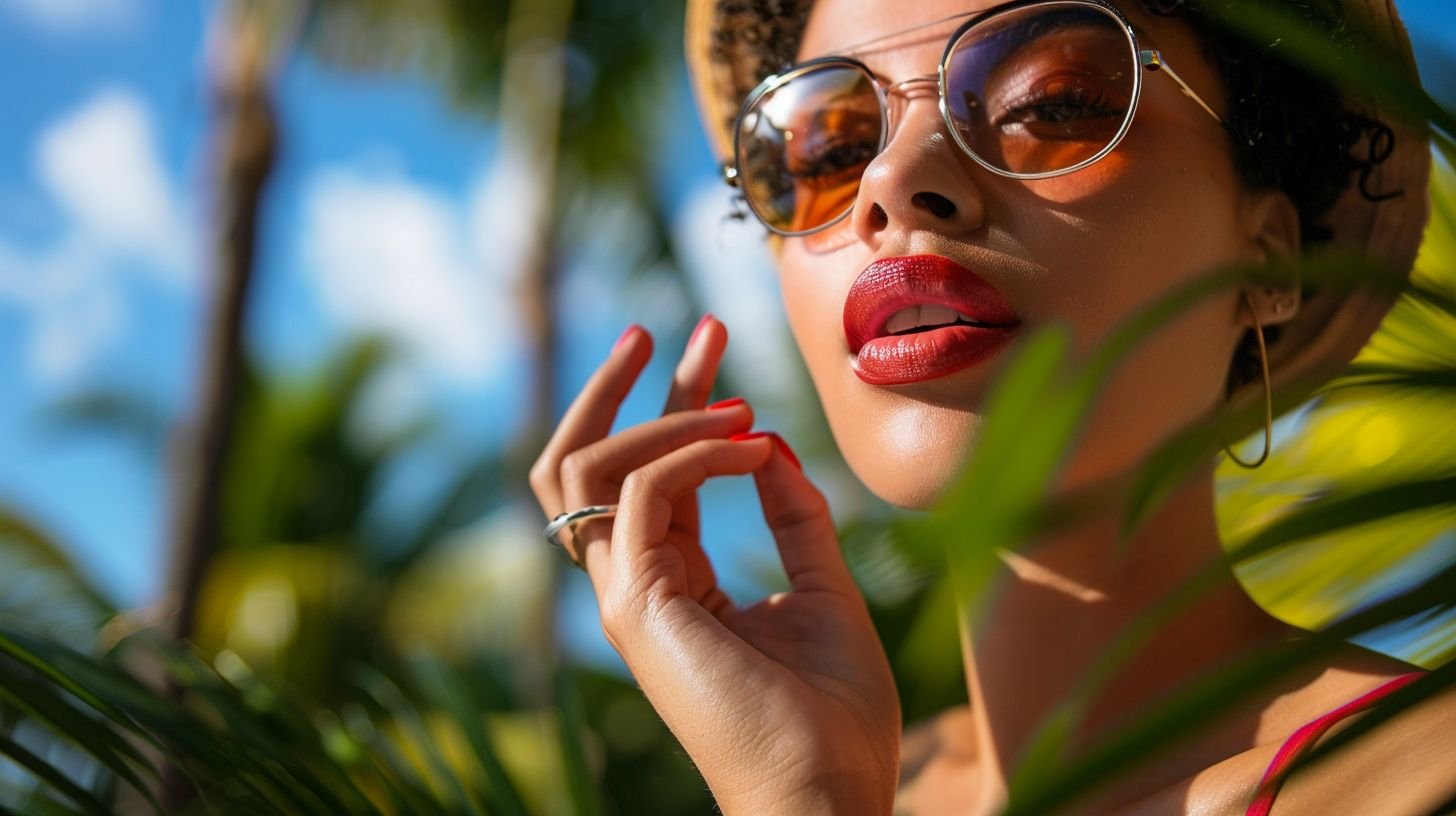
pixel 1303 739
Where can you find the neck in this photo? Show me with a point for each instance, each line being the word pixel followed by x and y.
pixel 1058 606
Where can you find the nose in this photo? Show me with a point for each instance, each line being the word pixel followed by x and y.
pixel 920 181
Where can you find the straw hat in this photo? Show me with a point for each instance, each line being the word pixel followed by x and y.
pixel 726 63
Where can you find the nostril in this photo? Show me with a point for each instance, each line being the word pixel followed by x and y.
pixel 878 217
pixel 938 205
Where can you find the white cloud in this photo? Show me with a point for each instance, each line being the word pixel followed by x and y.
pixel 101 166
pixel 389 255
pixel 502 198
pixel 69 16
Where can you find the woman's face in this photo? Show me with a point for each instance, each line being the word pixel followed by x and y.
pixel 1084 249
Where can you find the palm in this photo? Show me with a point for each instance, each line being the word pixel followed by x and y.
pixel 813 634
pixel 783 703
pixel 818 636
pixel 804 651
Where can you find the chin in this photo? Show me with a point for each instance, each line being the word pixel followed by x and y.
pixel 898 495
pixel 910 457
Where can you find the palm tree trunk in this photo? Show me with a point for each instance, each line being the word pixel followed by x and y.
pixel 533 85
pixel 247 143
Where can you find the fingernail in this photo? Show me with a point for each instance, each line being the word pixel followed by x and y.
pixel 727 403
pixel 778 440
pixel 698 329
pixel 625 335
pixel 788 452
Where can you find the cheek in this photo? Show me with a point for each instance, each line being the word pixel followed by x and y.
pixel 812 303
pixel 1142 222
pixel 1171 380
pixel 1141 244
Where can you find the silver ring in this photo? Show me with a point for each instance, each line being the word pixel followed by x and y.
pixel 569 520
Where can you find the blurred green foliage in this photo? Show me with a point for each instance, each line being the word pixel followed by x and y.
pixel 1387 420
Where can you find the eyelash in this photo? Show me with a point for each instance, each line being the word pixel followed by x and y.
pixel 1079 97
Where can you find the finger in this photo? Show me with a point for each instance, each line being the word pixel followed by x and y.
pixel 607 462
pixel 692 381
pixel 594 474
pixel 591 414
pixel 637 559
pixel 798 515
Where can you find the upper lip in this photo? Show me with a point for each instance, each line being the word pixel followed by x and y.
pixel 891 284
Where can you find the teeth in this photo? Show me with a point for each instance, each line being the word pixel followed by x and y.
pixel 924 314
pixel 906 318
pixel 933 314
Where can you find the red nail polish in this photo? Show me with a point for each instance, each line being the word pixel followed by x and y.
pixel 626 334
pixel 788 452
pixel 698 329
pixel 727 403
pixel 778 440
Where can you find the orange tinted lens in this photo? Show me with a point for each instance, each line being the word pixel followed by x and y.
pixel 804 145
pixel 1041 89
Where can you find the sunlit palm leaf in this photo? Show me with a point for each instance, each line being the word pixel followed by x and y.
pixel 1386 421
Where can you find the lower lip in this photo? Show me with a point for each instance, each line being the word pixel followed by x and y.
pixel 912 358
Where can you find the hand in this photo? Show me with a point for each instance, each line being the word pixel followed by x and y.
pixel 787 705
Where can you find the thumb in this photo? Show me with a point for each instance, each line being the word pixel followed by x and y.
pixel 798 515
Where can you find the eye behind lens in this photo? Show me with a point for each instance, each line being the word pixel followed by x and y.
pixel 1024 80
pixel 803 145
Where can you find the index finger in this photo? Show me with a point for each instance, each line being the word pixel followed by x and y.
pixel 803 528
pixel 692 382
pixel 590 416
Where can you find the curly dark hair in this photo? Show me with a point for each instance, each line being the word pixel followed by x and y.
pixel 1289 128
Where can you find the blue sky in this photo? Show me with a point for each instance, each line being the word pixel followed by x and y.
pixel 387 209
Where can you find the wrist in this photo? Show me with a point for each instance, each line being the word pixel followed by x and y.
pixel 849 794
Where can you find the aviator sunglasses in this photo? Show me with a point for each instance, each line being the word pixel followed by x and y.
pixel 1029 90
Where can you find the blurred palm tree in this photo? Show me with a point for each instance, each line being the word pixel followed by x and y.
pixel 575 89
pixel 308 547
pixel 276 556
pixel 322 581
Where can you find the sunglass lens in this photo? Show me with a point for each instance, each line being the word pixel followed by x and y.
pixel 803 146
pixel 1041 89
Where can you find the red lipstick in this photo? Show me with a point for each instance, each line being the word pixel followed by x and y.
pixel 938 342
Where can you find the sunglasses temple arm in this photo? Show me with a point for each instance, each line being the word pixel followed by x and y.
pixel 1153 61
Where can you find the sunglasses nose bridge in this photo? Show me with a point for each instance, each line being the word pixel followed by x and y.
pixel 900 94
pixel 904 87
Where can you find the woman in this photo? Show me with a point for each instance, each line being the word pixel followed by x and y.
pixel 914 244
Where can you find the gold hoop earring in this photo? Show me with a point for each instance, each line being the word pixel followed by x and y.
pixel 1268 393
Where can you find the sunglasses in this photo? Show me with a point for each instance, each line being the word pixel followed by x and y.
pixel 1029 90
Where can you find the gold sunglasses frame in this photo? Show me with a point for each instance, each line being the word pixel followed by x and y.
pixel 1150 59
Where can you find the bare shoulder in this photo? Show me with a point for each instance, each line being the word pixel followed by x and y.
pixel 1405 766
pixel 936 758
